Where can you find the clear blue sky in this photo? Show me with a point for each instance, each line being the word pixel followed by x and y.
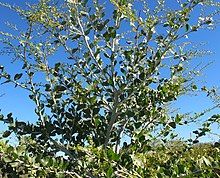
pixel 17 101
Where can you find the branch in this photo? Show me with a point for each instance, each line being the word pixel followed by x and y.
pixel 120 133
pixel 63 149
pixel 114 116
pixel 87 42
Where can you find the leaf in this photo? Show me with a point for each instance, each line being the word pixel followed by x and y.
pixel 97 121
pixel 143 32
pixel 6 134
pixel 194 87
pixel 74 50
pixel 172 124
pixel 187 27
pixel 87 113
pixel 106 21
pixel 166 133
pixel 107 36
pixel 97 71
pixel 56 41
pixel 178 118
pixel 80 106
pixel 10 149
pixel 166 24
pixel 206 161
pixel 196 132
pixel 47 87
pixel 158 54
pixel 112 32
pixel 109 172
pixel 138 125
pixel 123 71
pixel 57 65
pixel 106 55
pixel 50 162
pixel 112 155
pixel 142 75
pixel 100 26
pixel 128 54
pixel 63 22
pixel 20 125
pixel 109 100
pixel 96 110
pixel 76 37
pixel 18 76
pixel 1 117
pixel 59 88
pixel 195 141
pixel 87 31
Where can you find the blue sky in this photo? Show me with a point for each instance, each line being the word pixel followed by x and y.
pixel 17 101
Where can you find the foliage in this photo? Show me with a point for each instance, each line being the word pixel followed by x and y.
pixel 170 160
pixel 102 83
pixel 17 160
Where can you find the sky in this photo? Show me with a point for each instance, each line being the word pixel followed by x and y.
pixel 16 100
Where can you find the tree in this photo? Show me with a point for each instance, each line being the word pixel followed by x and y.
pixel 103 106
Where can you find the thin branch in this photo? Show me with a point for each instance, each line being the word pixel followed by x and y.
pixel 85 37
pixel 114 115
pixel 120 133
pixel 62 148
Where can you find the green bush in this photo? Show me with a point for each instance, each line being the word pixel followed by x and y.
pixel 102 77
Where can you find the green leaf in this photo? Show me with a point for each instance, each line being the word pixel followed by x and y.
pixel 97 121
pixel 166 133
pixel 102 25
pixel 107 36
pixel 57 65
pixel 166 24
pixel 18 76
pixel 158 54
pixel 74 50
pixel 87 113
pixel 109 172
pixel 138 125
pixel 63 22
pixel 195 141
pixel 6 134
pixel 96 110
pixel 76 37
pixel 80 106
pixel 128 54
pixel 110 33
pixel 187 27
pixel 10 149
pixel 178 118
pixel 194 87
pixel 47 87
pixel 172 124
pixel 123 71
pixel 1 117
pixel 196 132
pixel 206 161
pixel 112 155
pixel 59 88
pixel 142 75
